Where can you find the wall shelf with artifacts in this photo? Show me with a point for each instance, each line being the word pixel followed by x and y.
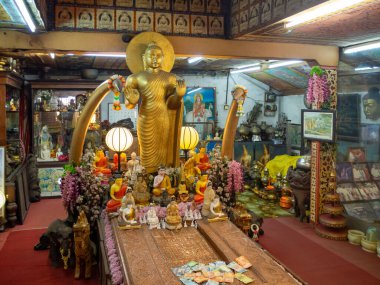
pixel 56 108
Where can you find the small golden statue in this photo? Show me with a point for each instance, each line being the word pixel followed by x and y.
pixel 161 92
pixel 140 192
pixel 200 188
pixel 83 249
pixel 216 213
pixel 173 219
pixel 246 158
pixel 117 193
pixel 183 194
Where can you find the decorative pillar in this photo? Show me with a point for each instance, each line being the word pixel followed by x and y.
pixel 323 155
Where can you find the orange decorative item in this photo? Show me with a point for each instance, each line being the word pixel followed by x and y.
pixel 286 200
pixel 203 160
pixel 200 188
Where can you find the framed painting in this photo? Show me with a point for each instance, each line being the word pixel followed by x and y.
pixel 144 21
pixel 375 170
pixel 64 17
pixel 348 121
pixel 105 19
pixel 181 24
pixel 163 22
pixel 213 6
pixel 124 20
pixel 344 172
pixel 356 154
pixel 198 25
pixel 216 26
pixel 318 125
pixel 199 109
pixel 361 172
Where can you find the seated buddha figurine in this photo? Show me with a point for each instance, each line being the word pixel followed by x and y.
pixel 140 192
pixel 100 161
pixel 203 160
pixel 173 219
pixel 117 192
pixel 216 213
pixel 162 183
pixel 152 218
pixel 183 194
pixel 200 188
pixel 127 209
pixel 209 196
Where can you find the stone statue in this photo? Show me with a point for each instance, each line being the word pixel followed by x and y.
pixel 371 104
pixel 152 218
pixel 45 143
pixel 161 92
pixel 140 192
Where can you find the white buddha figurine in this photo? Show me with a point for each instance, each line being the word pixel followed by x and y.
pixel 46 144
pixel 152 218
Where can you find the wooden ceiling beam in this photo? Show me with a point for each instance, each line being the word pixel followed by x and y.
pixel 183 46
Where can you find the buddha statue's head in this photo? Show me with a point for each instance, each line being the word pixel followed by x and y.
pixel 204 177
pixel 153 57
pixel 371 104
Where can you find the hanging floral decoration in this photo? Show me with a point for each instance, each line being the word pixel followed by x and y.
pixel 110 245
pixel 81 190
pixel 227 178
pixel 240 98
pixel 116 98
pixel 318 90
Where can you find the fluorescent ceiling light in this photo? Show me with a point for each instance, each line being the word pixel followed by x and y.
pixel 362 47
pixel 319 11
pixel 248 65
pixel 254 68
pixel 69 54
pixel 194 59
pixel 26 15
pixel 106 54
pixel 194 90
pixel 52 55
pixel 365 68
pixel 284 63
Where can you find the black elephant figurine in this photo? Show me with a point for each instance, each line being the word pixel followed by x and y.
pixel 59 239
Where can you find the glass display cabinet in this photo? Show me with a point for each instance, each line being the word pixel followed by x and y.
pixel 56 108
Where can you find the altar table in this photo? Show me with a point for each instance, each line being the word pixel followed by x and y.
pixel 148 255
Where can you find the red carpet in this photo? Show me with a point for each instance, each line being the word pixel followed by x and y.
pixel 310 261
pixel 20 264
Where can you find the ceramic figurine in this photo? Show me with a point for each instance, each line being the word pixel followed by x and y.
pixel 100 160
pixel 183 194
pixel 173 219
pixel 190 168
pixel 209 196
pixel 162 183
pixel 203 160
pixel 216 213
pixel 127 209
pixel 152 218
pixel 200 188
pixel 140 192
pixel 46 144
pixel 117 192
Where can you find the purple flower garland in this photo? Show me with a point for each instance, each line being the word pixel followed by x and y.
pixel 113 258
pixel 317 90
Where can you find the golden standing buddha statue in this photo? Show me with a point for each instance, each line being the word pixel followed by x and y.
pixel 161 108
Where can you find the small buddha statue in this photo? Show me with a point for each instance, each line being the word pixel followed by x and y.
pixel 140 192
pixel 127 209
pixel 203 160
pixel 216 212
pixel 100 160
pixel 200 188
pixel 117 192
pixel 152 218
pixel 173 219
pixel 46 144
pixel 183 194
pixel 190 167
pixel 209 196
pixel 58 153
pixel 162 183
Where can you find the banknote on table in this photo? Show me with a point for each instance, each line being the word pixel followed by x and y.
pixel 228 277
pixel 233 265
pixel 187 281
pixel 224 268
pixel 192 263
pixel 243 278
pixel 243 261
pixel 212 282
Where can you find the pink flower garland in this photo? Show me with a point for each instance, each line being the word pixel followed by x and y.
pixel 317 91
pixel 235 177
pixel 113 258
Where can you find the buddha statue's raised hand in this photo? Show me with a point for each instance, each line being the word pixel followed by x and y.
pixel 180 88
pixel 132 96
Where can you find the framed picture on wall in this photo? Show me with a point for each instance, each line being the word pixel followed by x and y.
pixel 318 125
pixel 348 121
pixel 199 108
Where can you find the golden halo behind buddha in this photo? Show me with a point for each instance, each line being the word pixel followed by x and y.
pixel 138 45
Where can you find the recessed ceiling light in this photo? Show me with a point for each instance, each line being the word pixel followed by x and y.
pixel 26 15
pixel 194 59
pixel 361 47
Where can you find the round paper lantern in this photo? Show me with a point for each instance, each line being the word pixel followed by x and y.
pixel 189 138
pixel 119 139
